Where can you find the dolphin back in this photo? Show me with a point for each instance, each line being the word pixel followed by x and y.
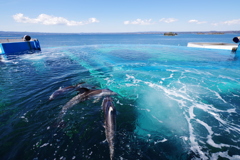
pixel 110 123
pixel 61 90
pixel 75 100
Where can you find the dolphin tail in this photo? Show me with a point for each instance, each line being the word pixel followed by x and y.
pixel 112 152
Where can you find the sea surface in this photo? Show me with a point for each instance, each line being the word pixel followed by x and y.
pixel 172 102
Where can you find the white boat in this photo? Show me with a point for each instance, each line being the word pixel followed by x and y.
pixel 217 45
pixel 213 45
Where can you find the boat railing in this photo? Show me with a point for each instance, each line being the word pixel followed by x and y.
pixel 14 40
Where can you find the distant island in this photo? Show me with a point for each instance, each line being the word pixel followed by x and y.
pixel 170 34
pixel 210 33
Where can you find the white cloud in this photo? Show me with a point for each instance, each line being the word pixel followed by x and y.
pixel 168 20
pixel 215 24
pixel 51 20
pixel 139 22
pixel 232 22
pixel 196 21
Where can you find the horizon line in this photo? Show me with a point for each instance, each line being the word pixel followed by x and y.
pixel 140 32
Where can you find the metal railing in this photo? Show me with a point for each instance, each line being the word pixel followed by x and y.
pixel 14 40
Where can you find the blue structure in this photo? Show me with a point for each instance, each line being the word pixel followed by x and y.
pixel 16 46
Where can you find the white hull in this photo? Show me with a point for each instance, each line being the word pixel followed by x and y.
pixel 227 46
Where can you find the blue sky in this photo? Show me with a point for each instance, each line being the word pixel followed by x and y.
pixel 77 16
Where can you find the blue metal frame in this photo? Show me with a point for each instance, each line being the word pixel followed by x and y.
pixel 16 47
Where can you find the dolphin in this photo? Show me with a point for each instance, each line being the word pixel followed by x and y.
pixel 87 94
pixel 109 123
pixel 61 90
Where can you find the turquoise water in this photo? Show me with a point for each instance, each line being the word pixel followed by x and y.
pixel 173 102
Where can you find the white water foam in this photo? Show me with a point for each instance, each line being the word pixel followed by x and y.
pixel 215 156
pixel 183 99
pixel 44 145
pixel 161 141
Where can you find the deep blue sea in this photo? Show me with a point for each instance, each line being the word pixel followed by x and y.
pixel 172 102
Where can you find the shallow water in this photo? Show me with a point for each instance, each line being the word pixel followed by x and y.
pixel 173 102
